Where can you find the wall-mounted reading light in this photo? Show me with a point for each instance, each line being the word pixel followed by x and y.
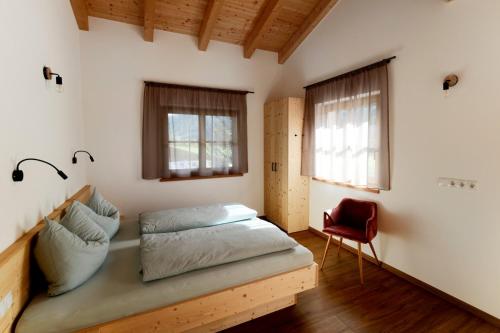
pixel 449 81
pixel 47 74
pixel 81 151
pixel 18 175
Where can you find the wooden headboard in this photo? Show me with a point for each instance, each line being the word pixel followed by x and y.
pixel 16 266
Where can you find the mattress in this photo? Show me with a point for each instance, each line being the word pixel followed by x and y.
pixel 117 290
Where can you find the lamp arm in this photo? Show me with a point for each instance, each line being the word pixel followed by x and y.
pixel 36 159
pixel 18 175
pixel 81 151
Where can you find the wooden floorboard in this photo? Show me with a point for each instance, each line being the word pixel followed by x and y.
pixel 386 303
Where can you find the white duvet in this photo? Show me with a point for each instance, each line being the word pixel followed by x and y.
pixel 173 253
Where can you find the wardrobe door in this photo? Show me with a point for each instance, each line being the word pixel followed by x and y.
pixel 269 162
pixel 285 191
pixel 298 186
pixel 281 166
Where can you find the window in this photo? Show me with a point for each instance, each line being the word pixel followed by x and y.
pixel 346 130
pixel 191 132
pixel 201 144
pixel 344 147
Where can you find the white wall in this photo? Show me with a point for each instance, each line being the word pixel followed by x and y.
pixel 447 238
pixel 115 62
pixel 35 120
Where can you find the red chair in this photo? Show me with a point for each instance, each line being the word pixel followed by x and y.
pixel 355 220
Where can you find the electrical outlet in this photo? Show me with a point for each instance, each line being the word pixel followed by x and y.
pixel 6 303
pixel 462 184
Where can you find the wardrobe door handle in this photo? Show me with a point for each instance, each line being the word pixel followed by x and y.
pixel 276 166
pixel 272 166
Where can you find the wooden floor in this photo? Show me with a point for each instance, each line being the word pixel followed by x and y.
pixel 386 303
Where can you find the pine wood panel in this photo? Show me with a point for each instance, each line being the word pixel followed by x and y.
pixel 181 16
pixel 289 18
pixel 281 160
pixel 298 186
pixel 149 19
pixel 15 264
pixel 274 200
pixel 273 25
pixel 248 315
pixel 221 309
pixel 236 20
pixel 81 14
pixel 266 17
pixel 269 184
pixel 131 12
pixel 211 14
pixel 286 198
pixel 319 11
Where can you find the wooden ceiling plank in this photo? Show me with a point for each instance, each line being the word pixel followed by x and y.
pixel 81 14
pixel 207 26
pixel 267 15
pixel 318 13
pixel 149 20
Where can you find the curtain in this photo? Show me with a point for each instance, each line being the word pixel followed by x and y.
pixel 189 131
pixel 346 129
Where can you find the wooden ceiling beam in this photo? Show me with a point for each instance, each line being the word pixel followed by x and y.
pixel 317 14
pixel 264 20
pixel 149 20
pixel 208 24
pixel 81 14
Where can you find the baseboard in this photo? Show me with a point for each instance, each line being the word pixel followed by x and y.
pixel 447 297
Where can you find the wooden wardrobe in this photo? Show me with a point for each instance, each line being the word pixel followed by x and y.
pixel 286 192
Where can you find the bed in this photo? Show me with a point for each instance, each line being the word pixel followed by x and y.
pixel 115 299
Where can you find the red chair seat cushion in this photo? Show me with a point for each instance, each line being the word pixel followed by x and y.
pixel 347 232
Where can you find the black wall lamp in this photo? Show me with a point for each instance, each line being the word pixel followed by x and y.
pixel 81 151
pixel 47 74
pixel 18 175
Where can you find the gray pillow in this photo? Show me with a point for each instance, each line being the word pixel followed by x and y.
pixel 102 207
pixel 70 252
pixel 110 225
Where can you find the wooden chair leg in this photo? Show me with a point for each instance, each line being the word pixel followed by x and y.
pixel 360 263
pixel 326 251
pixel 374 254
pixel 340 246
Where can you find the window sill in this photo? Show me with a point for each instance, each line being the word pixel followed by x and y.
pixel 200 177
pixel 359 188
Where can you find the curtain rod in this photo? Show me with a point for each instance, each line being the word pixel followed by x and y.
pixel 385 61
pixel 174 85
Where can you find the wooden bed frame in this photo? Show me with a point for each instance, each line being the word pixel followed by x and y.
pixel 208 313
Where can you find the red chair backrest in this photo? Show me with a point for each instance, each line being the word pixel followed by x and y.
pixel 355 213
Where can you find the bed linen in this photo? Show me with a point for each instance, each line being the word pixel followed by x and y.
pixel 173 253
pixel 179 219
pixel 117 290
